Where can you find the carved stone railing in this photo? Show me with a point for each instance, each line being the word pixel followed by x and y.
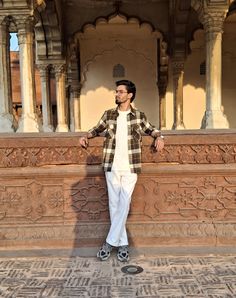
pixel 53 192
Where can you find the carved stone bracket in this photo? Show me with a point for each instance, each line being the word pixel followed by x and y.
pixel 211 14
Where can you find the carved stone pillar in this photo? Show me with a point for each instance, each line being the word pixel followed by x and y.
pixel 178 76
pixel 212 17
pixel 62 125
pixel 213 24
pixel 29 121
pixel 46 104
pixel 6 117
pixel 75 109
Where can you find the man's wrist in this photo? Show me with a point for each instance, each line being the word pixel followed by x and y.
pixel 159 135
pixel 89 135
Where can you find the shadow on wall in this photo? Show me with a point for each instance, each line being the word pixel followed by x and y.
pixel 88 207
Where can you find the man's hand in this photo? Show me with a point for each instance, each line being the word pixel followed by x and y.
pixel 159 143
pixel 83 142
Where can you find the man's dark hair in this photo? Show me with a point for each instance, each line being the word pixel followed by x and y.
pixel 130 87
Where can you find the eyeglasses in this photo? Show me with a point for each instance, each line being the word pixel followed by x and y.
pixel 120 92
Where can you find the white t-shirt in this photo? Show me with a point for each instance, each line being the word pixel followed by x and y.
pixel 121 157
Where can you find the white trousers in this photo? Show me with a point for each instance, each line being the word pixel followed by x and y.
pixel 120 188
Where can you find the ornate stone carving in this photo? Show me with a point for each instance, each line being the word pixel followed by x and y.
pixel 31 201
pixel 51 155
pixel 177 198
pixel 192 154
pixel 211 15
pixel 89 199
pixel 145 200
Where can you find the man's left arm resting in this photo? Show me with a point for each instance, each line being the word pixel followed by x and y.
pixel 151 130
pixel 159 140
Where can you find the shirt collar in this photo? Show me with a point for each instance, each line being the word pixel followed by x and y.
pixel 132 110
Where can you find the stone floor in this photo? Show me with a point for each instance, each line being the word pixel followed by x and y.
pixel 164 275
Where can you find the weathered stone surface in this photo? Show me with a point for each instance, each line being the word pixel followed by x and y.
pixel 162 276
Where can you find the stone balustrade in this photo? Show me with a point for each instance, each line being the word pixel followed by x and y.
pixel 53 192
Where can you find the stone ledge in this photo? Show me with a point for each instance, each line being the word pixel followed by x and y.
pixel 91 170
pixel 136 251
pixel 146 234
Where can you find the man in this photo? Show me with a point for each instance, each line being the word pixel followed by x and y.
pixel 123 127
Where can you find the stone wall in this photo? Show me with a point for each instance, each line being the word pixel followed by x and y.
pixel 53 193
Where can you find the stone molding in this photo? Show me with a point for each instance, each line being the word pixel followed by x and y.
pixel 188 234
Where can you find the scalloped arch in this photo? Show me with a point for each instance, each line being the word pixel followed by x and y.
pixel 198 39
pixel 118 18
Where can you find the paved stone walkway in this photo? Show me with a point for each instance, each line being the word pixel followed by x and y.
pixel 162 276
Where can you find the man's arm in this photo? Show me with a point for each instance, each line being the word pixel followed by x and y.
pixel 84 140
pixel 93 132
pixel 151 130
pixel 159 143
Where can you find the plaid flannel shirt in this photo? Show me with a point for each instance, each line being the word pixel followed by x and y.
pixel 137 124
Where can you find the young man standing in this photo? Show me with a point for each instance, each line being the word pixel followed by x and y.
pixel 121 162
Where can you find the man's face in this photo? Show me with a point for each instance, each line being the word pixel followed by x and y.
pixel 122 95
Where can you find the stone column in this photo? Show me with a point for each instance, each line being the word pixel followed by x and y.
pixel 213 25
pixel 62 125
pixel 178 76
pixel 29 121
pixel 6 117
pixel 46 103
pixel 75 109
pixel 212 17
